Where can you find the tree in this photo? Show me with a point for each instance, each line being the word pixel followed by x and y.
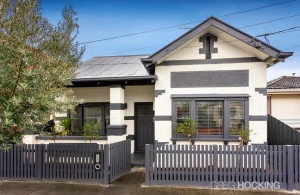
pixel 37 61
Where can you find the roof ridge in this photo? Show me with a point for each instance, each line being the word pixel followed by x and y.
pixel 122 55
pixel 274 80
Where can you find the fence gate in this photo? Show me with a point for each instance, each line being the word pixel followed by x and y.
pixel 66 162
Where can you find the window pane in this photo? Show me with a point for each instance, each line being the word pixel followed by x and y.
pixel 237 109
pixel 145 110
pixel 74 123
pixel 183 109
pixel 209 117
pixel 235 125
pixel 92 115
pixel 107 116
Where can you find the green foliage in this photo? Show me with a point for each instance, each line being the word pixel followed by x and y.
pixel 187 127
pixel 243 132
pixel 65 123
pixel 90 131
pixel 37 60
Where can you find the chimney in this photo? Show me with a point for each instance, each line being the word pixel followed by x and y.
pixel 293 74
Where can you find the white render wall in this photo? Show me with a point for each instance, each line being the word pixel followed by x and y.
pixel 257 79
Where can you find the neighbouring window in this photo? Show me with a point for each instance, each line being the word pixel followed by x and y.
pixel 214 117
pixel 97 113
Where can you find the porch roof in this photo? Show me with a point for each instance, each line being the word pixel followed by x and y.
pixel 112 68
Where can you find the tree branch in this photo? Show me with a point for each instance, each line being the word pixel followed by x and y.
pixel 17 81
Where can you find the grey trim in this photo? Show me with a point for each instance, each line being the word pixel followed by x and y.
pixel 267 59
pixel 116 129
pixel 68 138
pixel 226 118
pixel 221 78
pixel 159 92
pixel 261 90
pixel 210 61
pixel 205 50
pixel 162 118
pixel 212 21
pixel 128 117
pixel 116 106
pixel 132 137
pixel 258 117
pixel 150 77
pixel 117 86
pixel 209 95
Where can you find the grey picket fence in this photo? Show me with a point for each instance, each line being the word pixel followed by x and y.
pixel 204 165
pixel 64 162
pixel 280 133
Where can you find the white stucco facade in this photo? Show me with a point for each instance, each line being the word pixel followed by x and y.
pixel 257 79
pixel 123 83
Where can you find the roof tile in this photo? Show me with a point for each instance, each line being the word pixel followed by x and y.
pixel 284 82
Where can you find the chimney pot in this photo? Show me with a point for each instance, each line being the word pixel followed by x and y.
pixel 293 74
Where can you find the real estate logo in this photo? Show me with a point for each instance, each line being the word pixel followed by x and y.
pixel 245 185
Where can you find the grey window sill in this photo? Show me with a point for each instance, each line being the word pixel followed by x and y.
pixel 205 139
pixel 68 138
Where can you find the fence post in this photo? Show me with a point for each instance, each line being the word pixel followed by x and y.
pixel 106 164
pixel 215 162
pixel 290 168
pixel 39 156
pixel 147 163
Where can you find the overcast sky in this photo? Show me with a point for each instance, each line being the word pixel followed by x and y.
pixel 100 19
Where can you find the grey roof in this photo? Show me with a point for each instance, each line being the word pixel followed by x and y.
pixel 112 66
pixel 284 82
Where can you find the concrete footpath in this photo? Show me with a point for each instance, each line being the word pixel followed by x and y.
pixel 131 183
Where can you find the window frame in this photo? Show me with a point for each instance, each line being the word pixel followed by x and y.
pixel 80 114
pixel 225 115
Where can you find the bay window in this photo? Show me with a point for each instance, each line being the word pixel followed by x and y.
pixel 215 115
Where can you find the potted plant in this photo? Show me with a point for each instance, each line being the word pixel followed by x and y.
pixel 244 133
pixel 187 127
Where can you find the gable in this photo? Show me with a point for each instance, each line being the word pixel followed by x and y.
pixel 235 37
pixel 194 50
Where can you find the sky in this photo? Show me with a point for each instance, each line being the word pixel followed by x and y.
pixel 101 19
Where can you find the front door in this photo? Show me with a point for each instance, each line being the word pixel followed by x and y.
pixel 144 125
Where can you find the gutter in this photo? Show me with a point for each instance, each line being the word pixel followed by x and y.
pixel 128 78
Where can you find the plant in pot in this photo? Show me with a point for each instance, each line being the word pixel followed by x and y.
pixel 90 131
pixel 244 133
pixel 187 127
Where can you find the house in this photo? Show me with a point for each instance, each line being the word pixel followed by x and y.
pixel 215 74
pixel 284 99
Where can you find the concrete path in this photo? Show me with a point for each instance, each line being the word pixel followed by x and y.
pixel 131 183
